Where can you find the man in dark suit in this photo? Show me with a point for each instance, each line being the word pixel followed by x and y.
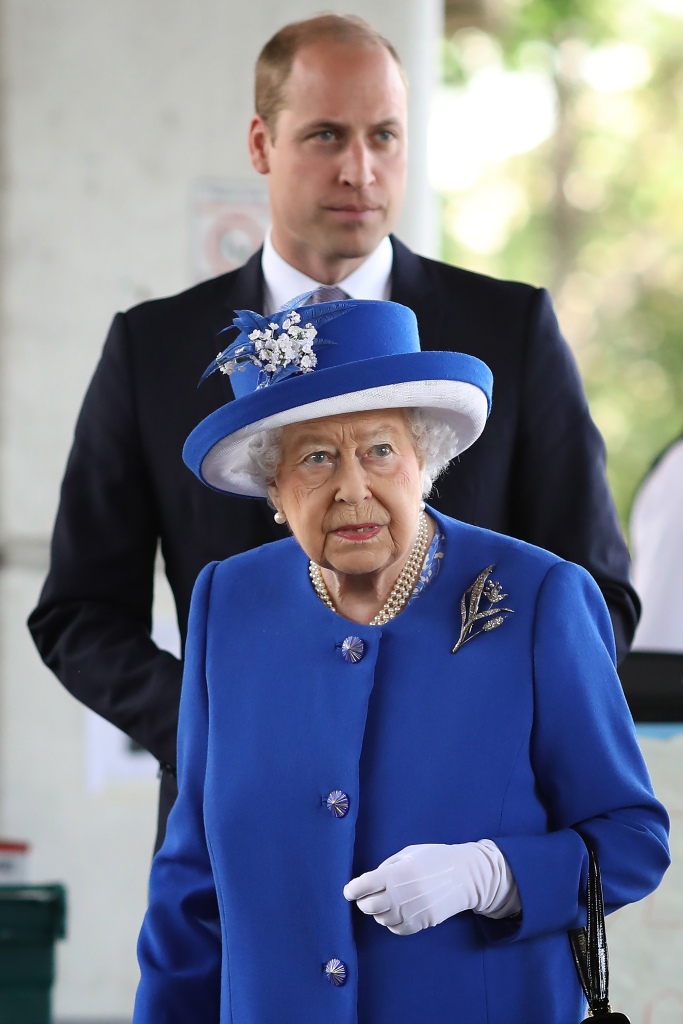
pixel 330 134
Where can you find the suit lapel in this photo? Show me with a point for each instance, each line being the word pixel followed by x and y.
pixel 412 285
pixel 246 287
pixel 239 289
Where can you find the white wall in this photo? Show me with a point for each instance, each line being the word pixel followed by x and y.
pixel 109 112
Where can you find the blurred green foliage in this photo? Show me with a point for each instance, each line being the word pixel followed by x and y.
pixel 595 211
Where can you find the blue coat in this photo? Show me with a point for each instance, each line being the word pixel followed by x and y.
pixel 523 736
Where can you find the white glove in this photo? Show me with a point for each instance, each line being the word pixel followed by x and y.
pixel 423 885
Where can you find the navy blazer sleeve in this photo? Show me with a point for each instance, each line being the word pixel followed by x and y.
pixel 561 499
pixel 92 625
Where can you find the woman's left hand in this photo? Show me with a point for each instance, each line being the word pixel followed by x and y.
pixel 421 886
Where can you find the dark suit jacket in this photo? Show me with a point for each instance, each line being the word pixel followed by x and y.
pixel 538 473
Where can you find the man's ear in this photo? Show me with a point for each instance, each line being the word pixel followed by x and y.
pixel 259 144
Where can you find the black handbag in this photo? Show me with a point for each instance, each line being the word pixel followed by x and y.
pixel 589 946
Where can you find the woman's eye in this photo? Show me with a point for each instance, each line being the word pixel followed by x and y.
pixel 381 450
pixel 317 458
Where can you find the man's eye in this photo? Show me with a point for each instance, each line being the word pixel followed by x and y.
pixel 385 136
pixel 325 135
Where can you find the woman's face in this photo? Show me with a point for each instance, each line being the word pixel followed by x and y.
pixel 350 487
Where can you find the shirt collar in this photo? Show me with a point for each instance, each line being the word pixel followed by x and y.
pixel 371 280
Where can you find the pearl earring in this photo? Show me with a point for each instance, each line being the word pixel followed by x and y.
pixel 422 506
pixel 280 519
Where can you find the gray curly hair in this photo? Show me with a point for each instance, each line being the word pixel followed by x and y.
pixel 436 443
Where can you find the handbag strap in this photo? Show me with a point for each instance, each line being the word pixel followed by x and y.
pixel 589 944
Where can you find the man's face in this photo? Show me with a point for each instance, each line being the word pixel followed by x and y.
pixel 336 165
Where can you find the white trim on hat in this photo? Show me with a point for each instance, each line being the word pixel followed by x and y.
pixel 463 406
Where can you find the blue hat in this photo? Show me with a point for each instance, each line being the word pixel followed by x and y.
pixel 310 362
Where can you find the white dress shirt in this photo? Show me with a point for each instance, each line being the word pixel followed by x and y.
pixel 372 280
pixel 657 548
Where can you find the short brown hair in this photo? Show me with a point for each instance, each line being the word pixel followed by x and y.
pixel 275 60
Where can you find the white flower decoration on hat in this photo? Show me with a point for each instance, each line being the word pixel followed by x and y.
pixel 279 346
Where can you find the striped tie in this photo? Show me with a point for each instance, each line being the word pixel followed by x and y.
pixel 327 293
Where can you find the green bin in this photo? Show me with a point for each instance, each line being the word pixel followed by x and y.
pixel 31 918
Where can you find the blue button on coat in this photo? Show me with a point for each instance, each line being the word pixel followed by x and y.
pixel 523 736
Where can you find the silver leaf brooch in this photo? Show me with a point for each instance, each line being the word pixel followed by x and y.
pixel 476 621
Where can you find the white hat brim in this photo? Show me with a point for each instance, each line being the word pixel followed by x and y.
pixel 463 406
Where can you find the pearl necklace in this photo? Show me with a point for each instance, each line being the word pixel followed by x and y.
pixel 402 588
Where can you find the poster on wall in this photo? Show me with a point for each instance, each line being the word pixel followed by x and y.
pixel 228 222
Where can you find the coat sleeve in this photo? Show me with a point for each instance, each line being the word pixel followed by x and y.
pixel 588 767
pixel 561 498
pixel 92 623
pixel 179 949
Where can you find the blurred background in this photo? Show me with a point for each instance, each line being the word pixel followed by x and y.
pixel 546 146
pixel 556 147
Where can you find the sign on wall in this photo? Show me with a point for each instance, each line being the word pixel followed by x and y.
pixel 228 222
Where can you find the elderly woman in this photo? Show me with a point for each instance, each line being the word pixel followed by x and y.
pixel 397 732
